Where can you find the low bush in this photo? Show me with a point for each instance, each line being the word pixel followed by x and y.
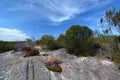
pixel 79 41
pixel 61 41
pixel 6 46
pixel 48 42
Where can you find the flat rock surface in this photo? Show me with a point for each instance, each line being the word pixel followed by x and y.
pixel 14 67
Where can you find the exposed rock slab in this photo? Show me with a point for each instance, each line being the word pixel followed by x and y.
pixel 14 67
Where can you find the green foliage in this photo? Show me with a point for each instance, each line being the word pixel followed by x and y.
pixel 61 41
pixel 117 39
pixel 77 31
pixel 116 45
pixel 110 47
pixel 6 46
pixel 79 41
pixel 112 19
pixel 116 48
pixel 48 42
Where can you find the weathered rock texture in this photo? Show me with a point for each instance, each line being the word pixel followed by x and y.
pixel 15 67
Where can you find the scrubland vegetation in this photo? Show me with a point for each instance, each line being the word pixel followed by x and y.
pixel 81 41
pixel 6 46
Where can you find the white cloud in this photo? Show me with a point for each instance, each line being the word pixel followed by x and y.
pixel 56 10
pixel 66 9
pixel 59 18
pixel 7 34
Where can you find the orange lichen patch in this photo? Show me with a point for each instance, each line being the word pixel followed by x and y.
pixel 53 64
pixel 53 67
pixel 55 60
pixel 31 52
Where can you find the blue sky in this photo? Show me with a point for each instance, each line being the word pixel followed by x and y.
pixel 20 19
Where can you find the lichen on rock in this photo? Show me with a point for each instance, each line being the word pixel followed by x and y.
pixel 54 64
pixel 53 67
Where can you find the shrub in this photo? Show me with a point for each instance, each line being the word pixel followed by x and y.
pixel 110 48
pixel 117 43
pixel 79 41
pixel 6 46
pixel 116 53
pixel 48 42
pixel 61 41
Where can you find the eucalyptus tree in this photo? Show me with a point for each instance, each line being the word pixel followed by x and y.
pixel 111 20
